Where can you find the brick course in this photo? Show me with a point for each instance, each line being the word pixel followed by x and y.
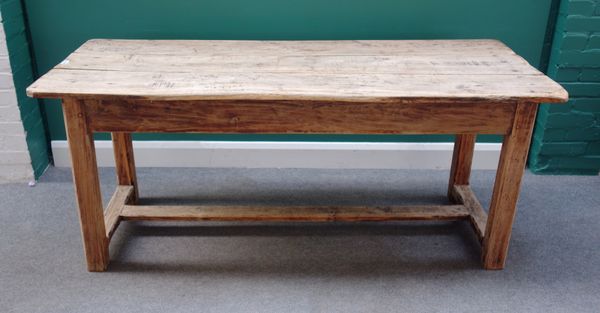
pixel 23 146
pixel 567 137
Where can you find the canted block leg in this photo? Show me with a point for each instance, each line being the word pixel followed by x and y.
pixel 506 188
pixel 87 185
pixel 462 158
pixel 124 162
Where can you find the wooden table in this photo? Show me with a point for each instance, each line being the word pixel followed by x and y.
pixel 462 87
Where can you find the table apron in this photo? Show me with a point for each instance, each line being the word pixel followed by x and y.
pixel 237 116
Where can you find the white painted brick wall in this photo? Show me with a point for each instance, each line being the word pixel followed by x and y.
pixel 15 163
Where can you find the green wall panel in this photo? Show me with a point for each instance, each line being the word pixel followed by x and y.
pixel 566 139
pixel 14 24
pixel 60 26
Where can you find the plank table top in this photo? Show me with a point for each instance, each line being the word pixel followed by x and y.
pixel 345 71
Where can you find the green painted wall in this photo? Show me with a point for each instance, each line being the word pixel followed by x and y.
pixel 567 137
pixel 60 26
pixel 19 54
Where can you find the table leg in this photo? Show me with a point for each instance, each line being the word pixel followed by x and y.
pixel 506 188
pixel 460 171
pixel 124 161
pixel 87 185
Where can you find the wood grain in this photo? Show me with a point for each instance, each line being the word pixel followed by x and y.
pixel 361 87
pixel 477 216
pixel 124 162
pixel 506 188
pixel 299 117
pixel 292 213
pixel 291 47
pixel 87 185
pixel 413 63
pixel 462 158
pixel 358 64
pixel 348 71
pixel 112 214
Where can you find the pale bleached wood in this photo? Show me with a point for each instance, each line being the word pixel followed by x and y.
pixel 295 86
pixel 506 188
pixel 112 214
pixel 299 117
pixel 290 47
pixel 490 64
pixel 291 213
pixel 87 185
pixel 462 158
pixel 374 71
pixel 477 216
pixel 124 162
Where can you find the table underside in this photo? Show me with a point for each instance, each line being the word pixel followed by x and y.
pixel 121 117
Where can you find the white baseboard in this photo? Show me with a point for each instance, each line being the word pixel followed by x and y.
pixel 340 155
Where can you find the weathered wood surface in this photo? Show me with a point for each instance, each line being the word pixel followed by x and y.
pixel 112 214
pixel 124 162
pixel 298 117
pixel 464 195
pixel 289 47
pixel 292 213
pixel 506 187
pixel 462 158
pixel 360 71
pixel 87 185
pixel 410 57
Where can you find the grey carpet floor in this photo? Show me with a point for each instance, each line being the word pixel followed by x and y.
pixel 553 264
